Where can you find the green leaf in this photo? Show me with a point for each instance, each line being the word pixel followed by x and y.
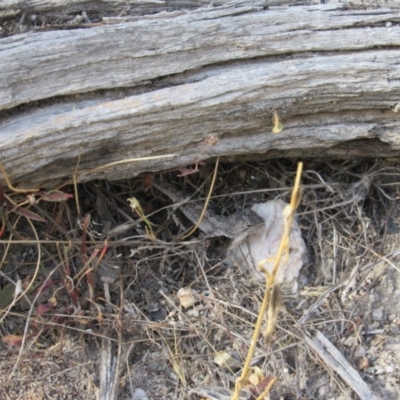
pixel 6 296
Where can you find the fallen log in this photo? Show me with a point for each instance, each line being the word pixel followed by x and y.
pixel 197 85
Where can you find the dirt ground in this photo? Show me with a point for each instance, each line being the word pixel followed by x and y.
pixel 53 335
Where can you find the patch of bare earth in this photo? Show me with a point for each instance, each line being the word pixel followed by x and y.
pixel 64 336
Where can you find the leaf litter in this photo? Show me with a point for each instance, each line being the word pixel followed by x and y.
pixel 55 326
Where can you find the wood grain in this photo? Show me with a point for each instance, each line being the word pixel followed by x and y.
pixel 167 85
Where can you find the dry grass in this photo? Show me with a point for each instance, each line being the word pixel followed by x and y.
pixel 60 321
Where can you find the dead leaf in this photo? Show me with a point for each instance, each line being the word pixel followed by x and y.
pixel 28 214
pixel 55 196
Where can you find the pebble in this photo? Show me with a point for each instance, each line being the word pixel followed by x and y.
pixel 370 327
pixel 389 369
pixel 323 391
pixel 360 351
pixel 377 314
pixel 140 394
pixel 374 297
pixel 349 341
pixel 388 289
pixel 373 327
pixel 363 364
pixel 392 317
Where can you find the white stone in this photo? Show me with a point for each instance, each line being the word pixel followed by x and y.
pixel 377 314
pixel 140 394
pixel 359 352
pixel 264 244
pixel 349 341
pixel 323 391
pixel 392 317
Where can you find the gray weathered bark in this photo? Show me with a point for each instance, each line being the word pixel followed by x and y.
pixel 200 84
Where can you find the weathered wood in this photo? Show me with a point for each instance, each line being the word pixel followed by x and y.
pixel 108 368
pixel 122 8
pixel 132 54
pixel 131 7
pixel 166 85
pixel 337 363
pixel 147 6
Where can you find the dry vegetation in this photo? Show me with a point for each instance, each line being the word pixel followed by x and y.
pixel 91 291
pixel 58 328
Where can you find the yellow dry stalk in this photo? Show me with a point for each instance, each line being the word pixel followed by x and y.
pixel 278 127
pixel 265 392
pixel 173 359
pixel 121 162
pixel 78 177
pixel 150 233
pixel 10 186
pixel 288 215
pixel 274 306
pixel 135 206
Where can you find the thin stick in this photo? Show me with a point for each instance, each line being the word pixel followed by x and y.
pixel 284 244
pixel 10 186
pixel 203 211
pixel 78 208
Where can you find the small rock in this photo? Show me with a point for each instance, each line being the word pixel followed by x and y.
pixel 370 327
pixel 394 330
pixel 360 351
pixel 389 369
pixel 377 314
pixel 363 364
pixel 392 317
pixel 262 245
pixel 140 394
pixel 323 391
pixel 349 341
pixel 374 297
pixel 187 297
pixel 380 370
pixel 228 360
pixel 388 289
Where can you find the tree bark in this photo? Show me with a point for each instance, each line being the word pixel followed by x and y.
pixel 197 85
